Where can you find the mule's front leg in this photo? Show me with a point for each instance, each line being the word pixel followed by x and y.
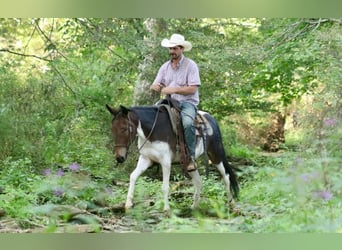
pixel 166 185
pixel 143 164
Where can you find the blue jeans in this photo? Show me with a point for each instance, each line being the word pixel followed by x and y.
pixel 188 113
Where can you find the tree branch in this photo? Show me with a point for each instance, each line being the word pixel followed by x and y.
pixel 25 55
pixel 84 23
pixel 36 23
pixel 44 59
pixel 63 80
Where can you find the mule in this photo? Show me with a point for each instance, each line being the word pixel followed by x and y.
pixel 157 143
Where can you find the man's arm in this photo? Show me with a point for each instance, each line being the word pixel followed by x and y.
pixel 188 90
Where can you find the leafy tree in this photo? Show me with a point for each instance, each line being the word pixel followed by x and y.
pixel 59 70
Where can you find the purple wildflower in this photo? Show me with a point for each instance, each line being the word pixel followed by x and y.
pixel 324 195
pixel 60 172
pixel 74 167
pixel 329 122
pixel 305 177
pixel 58 192
pixel 299 160
pixel 108 190
pixel 47 172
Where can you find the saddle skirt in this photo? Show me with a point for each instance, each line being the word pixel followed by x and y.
pixel 201 123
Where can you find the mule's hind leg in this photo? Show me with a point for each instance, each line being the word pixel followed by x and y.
pixel 143 164
pixel 197 182
pixel 220 168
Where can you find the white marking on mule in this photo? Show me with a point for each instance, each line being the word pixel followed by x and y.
pixel 143 164
pixel 161 152
pixel 199 150
pixel 158 152
pixel 210 130
pixel 220 168
pixel 197 182
pixel 151 152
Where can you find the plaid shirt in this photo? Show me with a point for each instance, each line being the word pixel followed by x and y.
pixel 186 74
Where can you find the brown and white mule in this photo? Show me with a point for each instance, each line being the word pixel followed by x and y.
pixel 157 143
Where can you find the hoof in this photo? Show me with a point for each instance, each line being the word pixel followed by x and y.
pixel 191 167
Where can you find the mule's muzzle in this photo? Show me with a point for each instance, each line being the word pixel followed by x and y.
pixel 120 159
pixel 120 154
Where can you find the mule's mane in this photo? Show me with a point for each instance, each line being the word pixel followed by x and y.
pixel 146 114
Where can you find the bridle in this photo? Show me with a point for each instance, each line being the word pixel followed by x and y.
pixel 130 127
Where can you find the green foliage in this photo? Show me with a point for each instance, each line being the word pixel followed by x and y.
pixel 17 178
pixel 57 75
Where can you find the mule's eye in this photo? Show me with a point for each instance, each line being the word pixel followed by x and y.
pixel 124 130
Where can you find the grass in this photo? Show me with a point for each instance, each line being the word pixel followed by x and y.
pixel 281 194
pixel 295 190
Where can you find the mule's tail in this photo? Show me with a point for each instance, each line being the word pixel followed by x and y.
pixel 218 148
pixel 234 184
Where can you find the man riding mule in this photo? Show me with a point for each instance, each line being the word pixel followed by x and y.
pixel 179 77
pixel 158 140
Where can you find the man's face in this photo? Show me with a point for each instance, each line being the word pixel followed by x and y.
pixel 175 52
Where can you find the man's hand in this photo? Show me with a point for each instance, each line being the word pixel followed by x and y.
pixel 157 87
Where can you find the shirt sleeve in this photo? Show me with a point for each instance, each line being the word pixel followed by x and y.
pixel 160 76
pixel 193 75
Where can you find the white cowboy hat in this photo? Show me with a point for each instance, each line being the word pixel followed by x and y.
pixel 176 40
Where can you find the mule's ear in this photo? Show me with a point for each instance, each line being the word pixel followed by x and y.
pixel 124 110
pixel 112 110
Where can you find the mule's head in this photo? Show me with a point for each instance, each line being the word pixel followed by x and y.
pixel 123 130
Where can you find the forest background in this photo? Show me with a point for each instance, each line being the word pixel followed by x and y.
pixel 57 74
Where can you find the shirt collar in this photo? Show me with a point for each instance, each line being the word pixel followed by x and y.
pixel 180 62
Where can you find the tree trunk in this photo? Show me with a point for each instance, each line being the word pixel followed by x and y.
pixel 275 133
pixel 148 68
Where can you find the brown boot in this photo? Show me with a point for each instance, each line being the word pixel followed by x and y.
pixel 192 166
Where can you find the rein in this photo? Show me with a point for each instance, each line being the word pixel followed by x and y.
pixel 130 129
pixel 153 126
